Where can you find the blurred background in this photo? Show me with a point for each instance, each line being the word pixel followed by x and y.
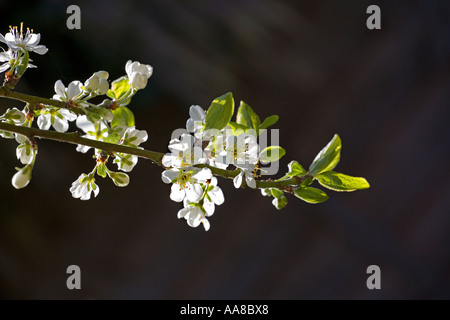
pixel 315 64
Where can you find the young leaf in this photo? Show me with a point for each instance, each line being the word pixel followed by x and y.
pixel 296 169
pixel 271 154
pixel 220 112
pixel 122 117
pixel 311 195
pixel 327 158
pixel 268 122
pixel 101 170
pixel 341 182
pixel 247 117
pixel 118 88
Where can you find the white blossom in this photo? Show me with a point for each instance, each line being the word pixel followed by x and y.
pixel 247 173
pixel 22 177
pixel 186 183
pixel 24 151
pixel 194 215
pixel 213 196
pixel 97 131
pixel 241 150
pixel 183 153
pixel 58 118
pixel 84 186
pixel 72 91
pixel 138 74
pixel 18 40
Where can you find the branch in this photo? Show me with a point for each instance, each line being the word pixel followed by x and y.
pixel 155 157
pixel 30 99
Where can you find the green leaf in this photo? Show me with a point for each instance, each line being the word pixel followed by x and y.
pixel 101 170
pixel 237 128
pixel 113 137
pixel 268 122
pixel 119 88
pixel 122 117
pixel 307 182
pixel 341 182
pixel 296 169
pixel 311 195
pixel 280 202
pixel 327 158
pixel 220 112
pixel 271 154
pixel 247 117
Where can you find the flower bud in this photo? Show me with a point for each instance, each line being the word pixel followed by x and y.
pixel 103 87
pixel 102 74
pixel 138 81
pixel 22 177
pixel 120 179
pixel 91 84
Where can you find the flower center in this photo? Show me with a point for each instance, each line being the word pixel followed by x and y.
pixel 19 36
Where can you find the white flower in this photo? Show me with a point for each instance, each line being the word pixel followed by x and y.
pixel 14 116
pixel 19 41
pixel 9 56
pixel 98 131
pixel 241 150
pixel 186 183
pixel 214 196
pixel 125 162
pixel 58 118
pixel 246 173
pixel 22 177
pixel 24 151
pixel 84 186
pixel 194 215
pixel 67 94
pixel 183 153
pixel 196 122
pixel 138 74
pixel 98 83
pixel 133 138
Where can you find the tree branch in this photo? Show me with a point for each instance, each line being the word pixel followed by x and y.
pixel 75 138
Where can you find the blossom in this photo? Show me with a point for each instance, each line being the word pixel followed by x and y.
pixel 24 151
pixel 247 173
pixel 70 93
pixel 84 186
pixel 22 177
pixel 18 40
pixel 97 131
pixel 132 138
pixel 241 150
pixel 58 118
pixel 9 57
pixel 97 83
pixel 12 116
pixel 196 122
pixel 138 74
pixel 213 196
pixel 183 153
pixel 186 183
pixel 194 215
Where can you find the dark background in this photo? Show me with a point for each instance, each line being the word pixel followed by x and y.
pixel 315 64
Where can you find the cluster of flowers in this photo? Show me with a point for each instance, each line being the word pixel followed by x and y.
pixel 195 186
pixel 97 121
